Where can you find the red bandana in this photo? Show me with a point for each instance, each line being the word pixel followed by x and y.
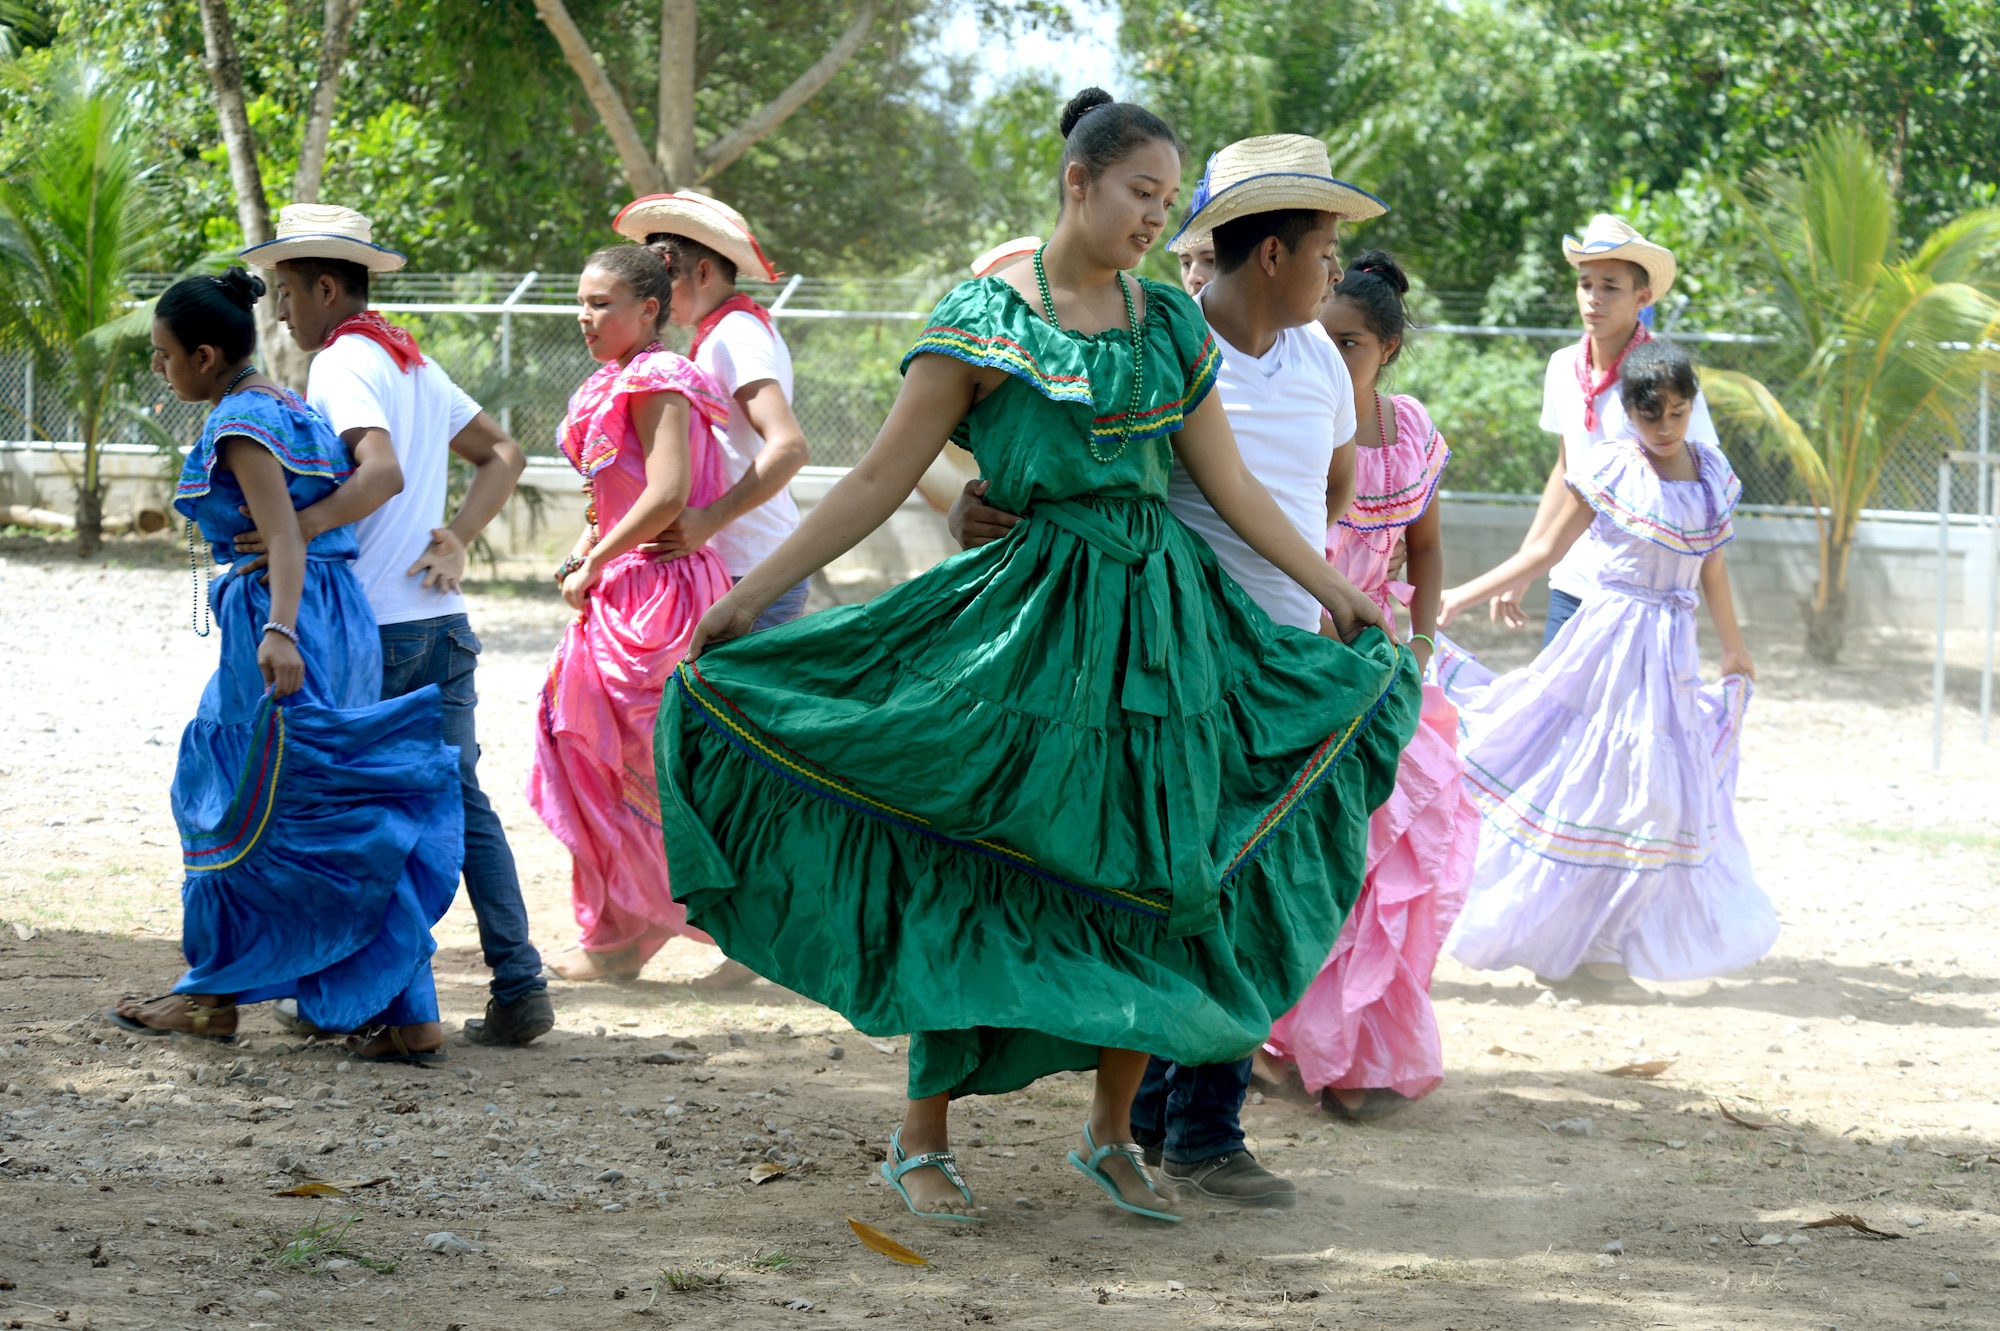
pixel 739 301
pixel 1593 390
pixel 398 342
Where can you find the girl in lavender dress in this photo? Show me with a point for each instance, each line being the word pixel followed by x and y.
pixel 1605 771
pixel 1364 1038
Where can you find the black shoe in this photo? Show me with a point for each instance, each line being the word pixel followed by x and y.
pixel 1152 1154
pixel 527 1018
pixel 1235 1178
pixel 1376 1102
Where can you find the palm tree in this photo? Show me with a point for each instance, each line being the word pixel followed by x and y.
pixel 75 218
pixel 1894 339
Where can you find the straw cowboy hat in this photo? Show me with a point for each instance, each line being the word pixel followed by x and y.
pixel 1267 174
pixel 1005 255
pixel 706 221
pixel 1609 237
pixel 324 231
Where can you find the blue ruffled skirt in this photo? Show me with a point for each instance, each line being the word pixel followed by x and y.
pixel 322 834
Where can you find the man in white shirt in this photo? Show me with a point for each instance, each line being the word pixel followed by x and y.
pixel 1618 274
pixel 401 417
pixel 1260 278
pixel 737 342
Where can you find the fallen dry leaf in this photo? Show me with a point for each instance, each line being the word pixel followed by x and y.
pixel 331 1187
pixel 764 1171
pixel 1512 1053
pixel 1741 1122
pixel 1853 1222
pixel 1651 1068
pixel 876 1241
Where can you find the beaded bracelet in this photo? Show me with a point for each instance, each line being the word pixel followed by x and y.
pixel 285 630
pixel 569 566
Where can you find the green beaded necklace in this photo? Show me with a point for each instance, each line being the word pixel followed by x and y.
pixel 1138 357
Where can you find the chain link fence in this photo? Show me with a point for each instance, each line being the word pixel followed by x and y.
pixel 510 340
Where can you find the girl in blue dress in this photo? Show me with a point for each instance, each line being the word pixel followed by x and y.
pixel 321 829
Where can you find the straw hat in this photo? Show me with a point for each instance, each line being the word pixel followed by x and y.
pixel 324 231
pixel 1005 255
pixel 1609 237
pixel 1267 174
pixel 1188 241
pixel 707 221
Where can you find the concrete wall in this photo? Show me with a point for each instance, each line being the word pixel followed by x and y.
pixel 1773 562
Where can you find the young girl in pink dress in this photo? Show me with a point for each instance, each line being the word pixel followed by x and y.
pixel 1364 1037
pixel 641 432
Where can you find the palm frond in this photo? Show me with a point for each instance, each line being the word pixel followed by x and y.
pixel 1744 400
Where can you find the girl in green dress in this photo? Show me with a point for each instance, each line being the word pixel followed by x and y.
pixel 1070 798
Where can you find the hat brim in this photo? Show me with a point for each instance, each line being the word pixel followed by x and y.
pixel 677 217
pixel 1658 261
pixel 1278 191
pixel 324 245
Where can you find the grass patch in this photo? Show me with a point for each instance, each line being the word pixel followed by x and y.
pixel 1933 839
pixel 691 1282
pixel 775 1260
pixel 317 1241
pixel 60 872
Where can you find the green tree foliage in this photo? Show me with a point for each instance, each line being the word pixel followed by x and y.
pixel 75 217
pixel 1894 327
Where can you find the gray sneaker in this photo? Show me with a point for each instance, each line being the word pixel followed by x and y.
pixel 1235 1179
pixel 527 1018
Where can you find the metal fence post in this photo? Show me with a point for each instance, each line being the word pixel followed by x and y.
pixel 507 345
pixel 1989 519
pixel 1943 579
pixel 29 429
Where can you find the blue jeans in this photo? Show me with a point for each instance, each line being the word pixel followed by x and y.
pixel 1191 1114
pixel 1561 606
pixel 783 610
pixel 445 652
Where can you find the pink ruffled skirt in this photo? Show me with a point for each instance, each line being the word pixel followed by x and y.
pixel 593 780
pixel 1366 1020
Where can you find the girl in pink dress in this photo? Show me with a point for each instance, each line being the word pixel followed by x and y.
pixel 641 432
pixel 1364 1037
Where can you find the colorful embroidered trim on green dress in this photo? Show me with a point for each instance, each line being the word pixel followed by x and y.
pixel 726 720
pixel 242 827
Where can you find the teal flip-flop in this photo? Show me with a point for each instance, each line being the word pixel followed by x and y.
pixel 1093 1170
pixel 944 1162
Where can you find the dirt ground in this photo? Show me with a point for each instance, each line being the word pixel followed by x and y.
pixel 604 1173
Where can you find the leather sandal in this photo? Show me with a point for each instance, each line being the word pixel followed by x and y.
pixel 200 1018
pixel 403 1053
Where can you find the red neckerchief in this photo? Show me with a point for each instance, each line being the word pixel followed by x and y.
pixel 739 301
pixel 398 342
pixel 1593 390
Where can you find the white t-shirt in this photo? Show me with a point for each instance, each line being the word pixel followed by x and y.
pixel 1289 409
pixel 739 351
pixel 1562 413
pixel 356 386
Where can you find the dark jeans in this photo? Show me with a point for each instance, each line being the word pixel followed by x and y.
pixel 783 610
pixel 1191 1114
pixel 1561 606
pixel 445 652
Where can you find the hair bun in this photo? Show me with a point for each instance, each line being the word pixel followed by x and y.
pixel 1082 105
pixel 241 286
pixel 1383 264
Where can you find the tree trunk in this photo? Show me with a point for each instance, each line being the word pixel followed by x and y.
pixel 89 513
pixel 339 26
pixel 1826 612
pixel 758 124
pixel 641 172
pixel 674 142
pixel 283 360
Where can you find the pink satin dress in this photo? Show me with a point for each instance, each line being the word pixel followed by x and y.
pixel 593 779
pixel 1366 1020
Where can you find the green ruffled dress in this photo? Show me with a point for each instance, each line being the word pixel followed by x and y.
pixel 1068 790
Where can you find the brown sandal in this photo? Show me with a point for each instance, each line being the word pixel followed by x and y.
pixel 200 1018
pixel 403 1054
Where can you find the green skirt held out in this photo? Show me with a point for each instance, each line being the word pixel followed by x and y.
pixel 1066 791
